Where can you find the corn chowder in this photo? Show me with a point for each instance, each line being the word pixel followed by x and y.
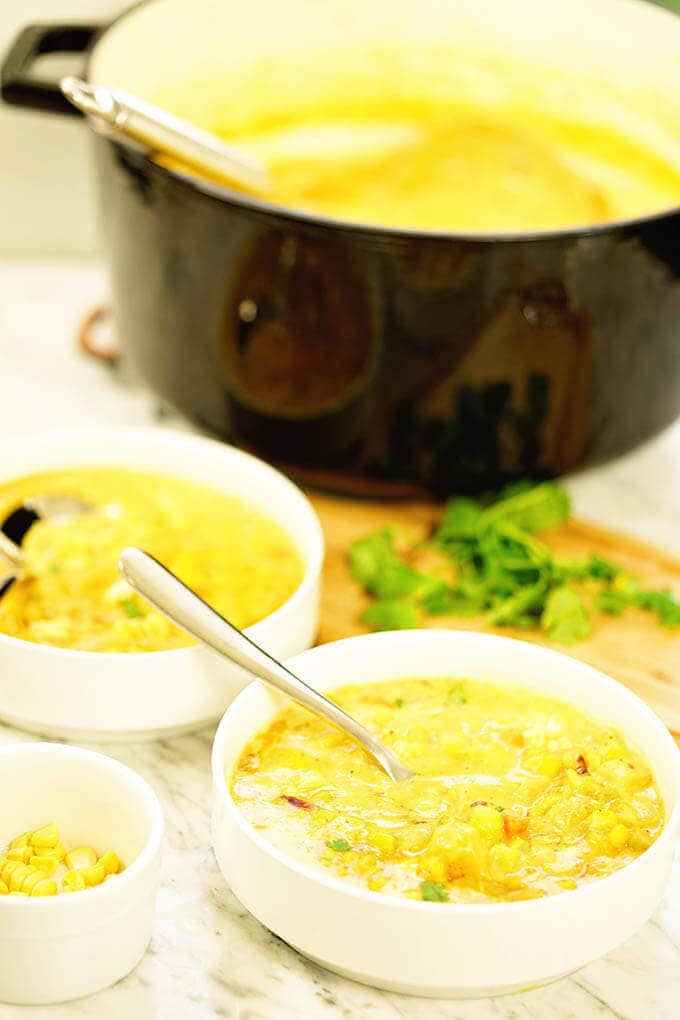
pixel 72 596
pixel 517 795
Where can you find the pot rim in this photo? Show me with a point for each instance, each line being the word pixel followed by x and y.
pixel 262 207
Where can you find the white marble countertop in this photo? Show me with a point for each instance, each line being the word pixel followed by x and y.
pixel 208 958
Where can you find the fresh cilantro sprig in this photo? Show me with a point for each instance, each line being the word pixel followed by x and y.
pixel 500 570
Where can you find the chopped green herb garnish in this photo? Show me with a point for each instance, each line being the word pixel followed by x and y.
pixel 130 608
pixel 374 563
pixel 565 617
pixel 456 695
pixel 499 809
pixel 341 845
pixel 54 569
pixel 399 703
pixel 499 570
pixel 433 892
pixel 391 614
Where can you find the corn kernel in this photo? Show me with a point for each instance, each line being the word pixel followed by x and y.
pixel 45 887
pixel 503 859
pixel 487 821
pixel 46 865
pixel 111 862
pixel 30 882
pixel 8 868
pixel 22 853
pixel 567 883
pixel 94 875
pixel 544 764
pixel 603 818
pixel 73 881
pixel 376 882
pixel 81 857
pixel 434 867
pixel 48 836
pixel 20 841
pixel 18 876
pixel 382 841
pixel 4 889
pixel 618 837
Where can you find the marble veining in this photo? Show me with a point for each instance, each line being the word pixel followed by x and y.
pixel 209 958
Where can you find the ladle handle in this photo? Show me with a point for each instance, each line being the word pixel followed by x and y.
pixel 162 589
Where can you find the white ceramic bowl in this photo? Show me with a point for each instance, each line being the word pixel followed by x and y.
pixel 430 948
pixel 63 947
pixel 105 696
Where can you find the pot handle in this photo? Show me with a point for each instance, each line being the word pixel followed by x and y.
pixel 19 88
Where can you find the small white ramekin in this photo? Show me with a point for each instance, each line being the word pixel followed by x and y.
pixel 62 947
pixel 105 696
pixel 431 948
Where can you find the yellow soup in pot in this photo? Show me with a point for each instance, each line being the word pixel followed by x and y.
pixel 517 795
pixel 72 596
pixel 453 143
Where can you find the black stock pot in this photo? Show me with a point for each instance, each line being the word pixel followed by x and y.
pixel 373 359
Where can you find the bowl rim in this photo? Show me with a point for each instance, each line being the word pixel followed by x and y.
pixel 513 646
pixel 312 566
pixel 124 774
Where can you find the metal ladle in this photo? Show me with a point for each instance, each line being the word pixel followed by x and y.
pixel 17 523
pixel 165 134
pixel 162 589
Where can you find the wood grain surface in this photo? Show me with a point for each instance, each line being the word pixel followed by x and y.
pixel 632 648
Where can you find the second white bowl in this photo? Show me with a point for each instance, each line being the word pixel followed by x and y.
pixel 103 696
pixel 432 948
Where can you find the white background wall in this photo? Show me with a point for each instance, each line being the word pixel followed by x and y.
pixel 46 194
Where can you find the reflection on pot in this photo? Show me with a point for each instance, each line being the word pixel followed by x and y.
pixel 299 347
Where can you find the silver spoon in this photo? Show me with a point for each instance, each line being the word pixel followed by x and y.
pixel 134 117
pixel 162 589
pixel 17 523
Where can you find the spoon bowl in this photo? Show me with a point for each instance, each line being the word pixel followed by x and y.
pixel 167 593
pixel 13 529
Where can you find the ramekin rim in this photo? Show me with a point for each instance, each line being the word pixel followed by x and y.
pixel 124 774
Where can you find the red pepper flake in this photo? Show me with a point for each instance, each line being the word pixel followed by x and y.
pixel 306 805
pixel 479 803
pixel 582 767
pixel 515 825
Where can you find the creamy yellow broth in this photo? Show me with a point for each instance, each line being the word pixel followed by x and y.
pixel 517 795
pixel 439 166
pixel 234 556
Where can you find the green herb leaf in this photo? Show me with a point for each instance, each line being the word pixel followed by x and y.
pixel 341 845
pixel 374 564
pixel 433 892
pixel 130 608
pixel 399 703
pixel 543 506
pixel 444 600
pixel 456 695
pixel 390 614
pixel 565 618
pixel 460 523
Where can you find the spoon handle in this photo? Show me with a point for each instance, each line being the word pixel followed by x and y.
pixel 162 589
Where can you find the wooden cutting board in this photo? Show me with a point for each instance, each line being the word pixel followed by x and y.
pixel 632 648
